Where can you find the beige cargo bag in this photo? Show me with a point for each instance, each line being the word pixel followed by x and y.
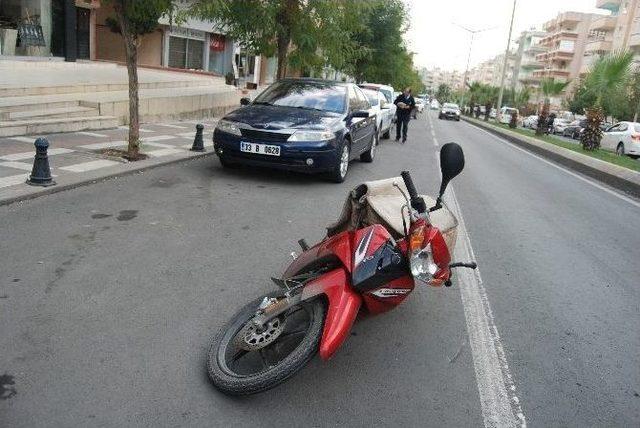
pixel 380 202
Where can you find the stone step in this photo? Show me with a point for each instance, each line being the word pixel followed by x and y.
pixel 57 125
pixel 17 91
pixel 9 105
pixel 54 113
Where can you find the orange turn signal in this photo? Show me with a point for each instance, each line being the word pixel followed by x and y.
pixel 416 239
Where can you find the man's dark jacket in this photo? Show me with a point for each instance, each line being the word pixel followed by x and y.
pixel 408 101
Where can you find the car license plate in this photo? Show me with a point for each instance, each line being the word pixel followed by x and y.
pixel 262 149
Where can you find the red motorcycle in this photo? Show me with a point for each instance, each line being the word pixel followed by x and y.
pixel 369 262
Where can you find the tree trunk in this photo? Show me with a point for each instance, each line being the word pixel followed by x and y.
pixel 542 118
pixel 131 52
pixel 283 50
pixel 286 16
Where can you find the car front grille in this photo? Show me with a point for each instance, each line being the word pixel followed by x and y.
pixel 258 135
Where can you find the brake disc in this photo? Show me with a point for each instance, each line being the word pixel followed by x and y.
pixel 250 338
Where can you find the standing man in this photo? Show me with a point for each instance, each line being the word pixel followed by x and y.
pixel 405 104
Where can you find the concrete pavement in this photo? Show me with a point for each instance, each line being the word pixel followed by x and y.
pixel 111 292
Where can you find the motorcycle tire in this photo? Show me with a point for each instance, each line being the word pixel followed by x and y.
pixel 233 383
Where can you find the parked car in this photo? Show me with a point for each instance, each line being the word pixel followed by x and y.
pixel 493 113
pixel 574 129
pixel 505 114
pixel 382 109
pixel 450 111
pixel 530 121
pixel 389 94
pixel 559 125
pixel 623 138
pixel 435 105
pixel 307 125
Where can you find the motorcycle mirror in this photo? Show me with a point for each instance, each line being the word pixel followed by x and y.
pixel 451 164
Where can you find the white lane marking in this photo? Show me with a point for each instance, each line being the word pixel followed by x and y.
pixel 12 180
pixel 163 152
pixel 89 166
pixel 30 155
pixel 92 134
pixel 158 138
pixel 498 400
pixel 171 126
pixel 433 132
pixel 24 139
pixel 578 176
pixel 106 145
pixel 17 165
pixel 141 129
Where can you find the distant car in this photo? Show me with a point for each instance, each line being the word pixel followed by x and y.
pixel 623 138
pixel 559 125
pixel 450 111
pixel 530 121
pixel 493 113
pixel 306 125
pixel 505 114
pixel 574 129
pixel 382 109
pixel 435 105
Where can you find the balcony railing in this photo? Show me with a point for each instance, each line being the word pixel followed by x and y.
pixel 598 45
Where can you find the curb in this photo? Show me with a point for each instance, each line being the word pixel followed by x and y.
pixel 624 179
pixel 91 180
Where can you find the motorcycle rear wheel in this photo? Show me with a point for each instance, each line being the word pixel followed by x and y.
pixel 237 371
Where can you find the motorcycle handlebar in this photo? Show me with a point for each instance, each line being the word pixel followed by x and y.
pixel 408 182
pixel 416 202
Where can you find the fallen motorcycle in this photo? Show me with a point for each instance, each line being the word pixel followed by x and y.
pixel 384 241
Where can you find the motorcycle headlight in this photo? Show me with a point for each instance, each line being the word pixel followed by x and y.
pixel 228 127
pixel 422 264
pixel 311 135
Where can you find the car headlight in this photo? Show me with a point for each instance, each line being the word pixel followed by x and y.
pixel 422 264
pixel 228 127
pixel 443 112
pixel 311 136
pixel 458 113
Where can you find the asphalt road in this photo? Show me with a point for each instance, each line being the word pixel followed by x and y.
pixel 110 293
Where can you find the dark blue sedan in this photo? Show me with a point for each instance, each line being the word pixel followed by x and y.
pixel 305 125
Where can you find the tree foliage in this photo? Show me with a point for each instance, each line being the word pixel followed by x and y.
pixel 384 57
pixel 444 94
pixel 304 34
pixel 549 88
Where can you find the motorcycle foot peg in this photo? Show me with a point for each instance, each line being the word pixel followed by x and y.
pixel 303 244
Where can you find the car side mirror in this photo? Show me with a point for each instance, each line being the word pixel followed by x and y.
pixel 360 113
pixel 244 101
pixel 451 164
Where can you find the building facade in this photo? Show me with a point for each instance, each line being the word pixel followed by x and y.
pixel 56 29
pixel 525 59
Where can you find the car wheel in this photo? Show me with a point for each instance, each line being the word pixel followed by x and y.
pixel 387 134
pixel 341 167
pixel 620 149
pixel 370 154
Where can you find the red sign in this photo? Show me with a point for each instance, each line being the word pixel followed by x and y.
pixel 217 42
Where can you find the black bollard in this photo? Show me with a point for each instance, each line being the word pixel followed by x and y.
pixel 41 173
pixel 198 143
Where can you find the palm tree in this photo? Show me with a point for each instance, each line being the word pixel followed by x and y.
pixel 608 76
pixel 488 96
pixel 549 88
pixel 521 97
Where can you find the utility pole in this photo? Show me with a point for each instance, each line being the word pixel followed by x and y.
pixel 506 58
pixel 466 70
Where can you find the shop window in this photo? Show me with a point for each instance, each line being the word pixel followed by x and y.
pixel 185 53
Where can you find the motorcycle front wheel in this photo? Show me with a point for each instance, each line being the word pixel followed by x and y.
pixel 243 360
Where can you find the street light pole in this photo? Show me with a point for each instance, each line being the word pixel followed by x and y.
pixel 506 58
pixel 466 70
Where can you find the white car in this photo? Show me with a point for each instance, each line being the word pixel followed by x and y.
pixel 623 138
pixel 559 125
pixel 389 95
pixel 419 107
pixel 382 110
pixel 505 114
pixel 530 121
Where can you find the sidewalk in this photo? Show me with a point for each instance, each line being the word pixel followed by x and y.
pixel 76 158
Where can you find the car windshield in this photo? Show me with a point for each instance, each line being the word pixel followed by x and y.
pixel 372 96
pixel 305 95
pixel 449 105
pixel 510 111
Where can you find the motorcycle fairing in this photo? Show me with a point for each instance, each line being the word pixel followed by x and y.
pixel 328 252
pixel 343 306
